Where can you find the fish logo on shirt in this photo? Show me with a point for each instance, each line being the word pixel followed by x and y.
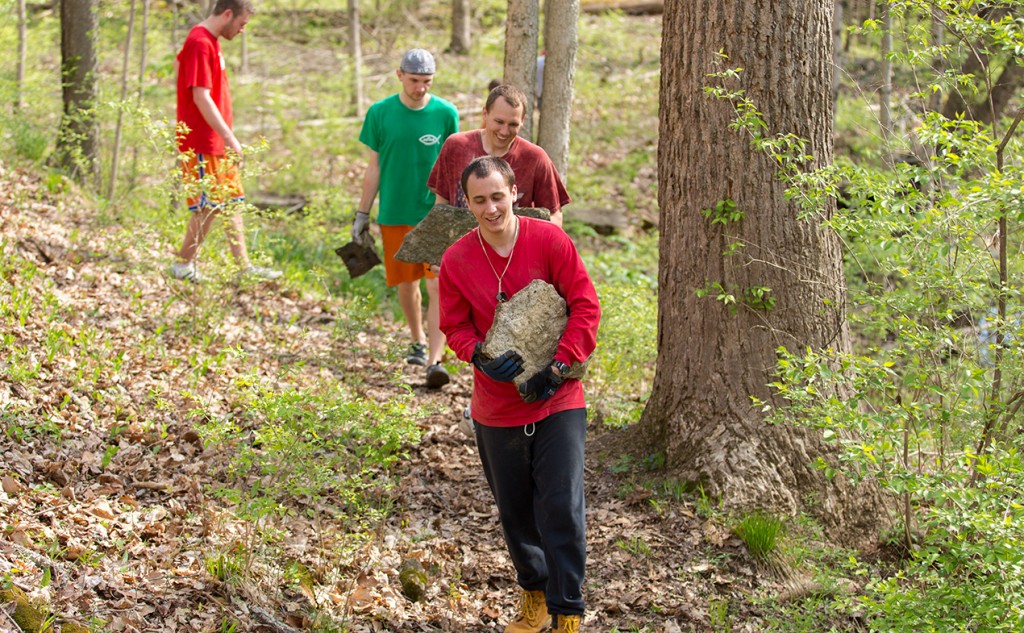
pixel 430 139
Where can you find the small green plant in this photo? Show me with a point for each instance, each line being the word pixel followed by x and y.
pixel 718 613
pixel 227 567
pixel 724 212
pixel 634 545
pixel 761 532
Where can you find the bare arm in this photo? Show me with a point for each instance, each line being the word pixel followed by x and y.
pixel 203 100
pixel 371 182
pixel 556 218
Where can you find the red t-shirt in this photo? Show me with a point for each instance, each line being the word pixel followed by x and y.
pixel 467 292
pixel 537 180
pixel 200 63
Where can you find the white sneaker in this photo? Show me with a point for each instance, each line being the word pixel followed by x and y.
pixel 186 271
pixel 262 272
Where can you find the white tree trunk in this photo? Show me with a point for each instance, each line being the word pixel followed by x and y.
pixel 560 41
pixel 521 30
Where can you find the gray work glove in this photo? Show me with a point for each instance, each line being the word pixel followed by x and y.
pixel 360 225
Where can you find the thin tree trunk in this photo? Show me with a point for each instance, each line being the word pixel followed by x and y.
pixel 124 100
pixel 939 61
pixel 77 141
pixel 174 27
pixel 885 93
pixel 143 52
pixel 1003 90
pixel 560 41
pixel 521 30
pixel 356 53
pixel 19 97
pixel 712 357
pixel 461 32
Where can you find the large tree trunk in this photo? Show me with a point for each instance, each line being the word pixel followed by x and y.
pixel 521 29
pixel 76 142
pixel 460 27
pixel 713 358
pixel 560 18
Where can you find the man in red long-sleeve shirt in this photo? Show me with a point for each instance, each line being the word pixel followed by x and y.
pixel 531 439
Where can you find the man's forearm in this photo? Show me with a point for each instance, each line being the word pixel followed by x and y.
pixel 211 114
pixel 371 185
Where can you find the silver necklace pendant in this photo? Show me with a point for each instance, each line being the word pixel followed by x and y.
pixel 501 297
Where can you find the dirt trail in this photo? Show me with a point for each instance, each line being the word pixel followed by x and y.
pixel 122 534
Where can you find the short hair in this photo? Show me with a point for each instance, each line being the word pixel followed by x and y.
pixel 484 166
pixel 508 92
pixel 236 6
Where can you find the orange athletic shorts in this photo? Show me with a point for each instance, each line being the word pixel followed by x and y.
pixel 396 272
pixel 210 181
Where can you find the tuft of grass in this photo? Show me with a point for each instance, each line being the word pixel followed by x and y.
pixel 761 533
pixel 634 545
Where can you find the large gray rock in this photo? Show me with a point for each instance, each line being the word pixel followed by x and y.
pixel 441 228
pixel 531 323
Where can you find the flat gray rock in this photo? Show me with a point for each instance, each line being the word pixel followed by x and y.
pixel 441 228
pixel 531 323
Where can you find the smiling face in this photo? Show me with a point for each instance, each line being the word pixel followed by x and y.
pixel 490 200
pixel 414 88
pixel 501 125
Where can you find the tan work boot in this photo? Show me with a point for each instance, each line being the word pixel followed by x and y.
pixel 568 624
pixel 533 614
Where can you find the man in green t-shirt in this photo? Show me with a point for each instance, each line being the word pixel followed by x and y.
pixel 404 133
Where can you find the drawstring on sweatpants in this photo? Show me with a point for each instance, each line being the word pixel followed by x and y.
pixel 530 429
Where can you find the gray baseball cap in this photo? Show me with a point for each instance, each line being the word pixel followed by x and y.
pixel 418 62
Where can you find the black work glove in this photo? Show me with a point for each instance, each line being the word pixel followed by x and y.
pixel 503 368
pixel 540 386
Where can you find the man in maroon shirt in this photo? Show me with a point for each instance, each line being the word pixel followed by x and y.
pixel 531 439
pixel 210 153
pixel 538 182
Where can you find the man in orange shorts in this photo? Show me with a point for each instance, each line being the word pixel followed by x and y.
pixel 210 153
pixel 404 133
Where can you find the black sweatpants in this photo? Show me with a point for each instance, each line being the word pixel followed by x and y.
pixel 537 481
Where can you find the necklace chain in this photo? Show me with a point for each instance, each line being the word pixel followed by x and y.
pixel 501 297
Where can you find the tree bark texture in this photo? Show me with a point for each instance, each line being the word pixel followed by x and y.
pixel 77 140
pixel 712 359
pixel 521 30
pixel 461 18
pixel 560 41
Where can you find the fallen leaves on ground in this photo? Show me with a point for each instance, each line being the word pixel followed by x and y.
pixel 107 502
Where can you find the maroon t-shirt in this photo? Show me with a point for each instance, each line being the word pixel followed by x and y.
pixel 537 180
